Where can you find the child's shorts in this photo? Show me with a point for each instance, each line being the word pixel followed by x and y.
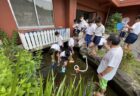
pixel 122 34
pixel 131 38
pixel 97 39
pixel 103 83
pixel 88 39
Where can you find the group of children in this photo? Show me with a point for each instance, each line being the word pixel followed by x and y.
pixel 91 35
pixel 59 55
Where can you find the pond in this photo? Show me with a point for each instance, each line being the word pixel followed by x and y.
pixel 89 76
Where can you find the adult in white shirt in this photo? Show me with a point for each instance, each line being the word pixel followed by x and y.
pixel 110 62
pixel 89 33
pixel 59 40
pixel 133 35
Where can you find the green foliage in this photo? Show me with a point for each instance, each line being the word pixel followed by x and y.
pixel 112 22
pixel 18 74
pixel 8 41
pixel 18 77
pixel 72 88
pixel 4 38
pixel 18 69
pixel 14 38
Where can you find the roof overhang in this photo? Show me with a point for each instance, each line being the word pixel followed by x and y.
pixel 124 3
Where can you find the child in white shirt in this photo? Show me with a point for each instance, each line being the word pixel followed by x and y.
pixel 81 39
pixel 102 43
pixel 83 24
pixel 76 27
pixel 55 52
pixel 133 35
pixel 89 33
pixel 71 44
pixel 98 33
pixel 59 40
pixel 64 57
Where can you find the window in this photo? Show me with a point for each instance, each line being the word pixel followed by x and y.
pixel 32 13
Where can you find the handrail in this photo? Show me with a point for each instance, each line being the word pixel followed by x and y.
pixel 36 40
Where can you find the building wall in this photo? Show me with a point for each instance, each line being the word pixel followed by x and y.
pixel 7 22
pixel 64 13
pixel 71 6
pixel 59 13
pixel 92 6
pixel 131 12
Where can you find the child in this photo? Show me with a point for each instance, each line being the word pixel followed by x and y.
pixel 59 40
pixel 54 52
pixel 99 31
pixel 71 44
pixel 75 27
pixel 89 33
pixel 83 24
pixel 133 35
pixel 64 56
pixel 124 29
pixel 123 33
pixel 103 43
pixel 81 39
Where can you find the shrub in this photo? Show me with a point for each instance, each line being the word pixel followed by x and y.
pixel 112 22
pixel 18 68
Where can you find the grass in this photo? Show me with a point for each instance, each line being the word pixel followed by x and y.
pixel 131 66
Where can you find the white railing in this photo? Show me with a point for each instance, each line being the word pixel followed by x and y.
pixel 36 40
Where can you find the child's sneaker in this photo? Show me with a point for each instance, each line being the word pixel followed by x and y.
pixel 63 70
